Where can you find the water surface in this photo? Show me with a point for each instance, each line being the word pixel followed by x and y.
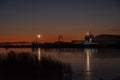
pixel 77 64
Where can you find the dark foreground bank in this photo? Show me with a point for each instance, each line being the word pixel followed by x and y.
pixel 23 66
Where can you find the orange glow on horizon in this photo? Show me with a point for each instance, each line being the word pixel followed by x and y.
pixel 44 38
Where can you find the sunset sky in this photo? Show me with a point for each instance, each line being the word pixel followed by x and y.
pixel 22 20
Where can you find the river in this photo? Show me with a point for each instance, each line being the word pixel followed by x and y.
pixel 84 63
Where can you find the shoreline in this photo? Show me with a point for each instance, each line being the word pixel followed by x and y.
pixel 63 46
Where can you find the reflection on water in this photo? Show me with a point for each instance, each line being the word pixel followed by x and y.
pixel 62 64
pixel 88 73
pixel 89 52
pixel 37 52
pixel 32 66
pixel 88 60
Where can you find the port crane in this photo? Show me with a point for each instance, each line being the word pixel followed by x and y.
pixel 60 38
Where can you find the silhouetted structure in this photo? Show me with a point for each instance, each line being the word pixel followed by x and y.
pixel 107 39
pixel 77 42
pixel 60 39
pixel 88 38
pixel 103 40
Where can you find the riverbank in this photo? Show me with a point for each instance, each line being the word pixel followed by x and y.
pixel 63 45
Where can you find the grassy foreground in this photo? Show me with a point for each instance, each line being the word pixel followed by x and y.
pixel 26 66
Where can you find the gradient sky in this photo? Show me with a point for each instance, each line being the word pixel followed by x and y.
pixel 22 20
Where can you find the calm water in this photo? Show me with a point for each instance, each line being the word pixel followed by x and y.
pixel 84 64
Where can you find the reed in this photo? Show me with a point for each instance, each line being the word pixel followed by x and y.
pixel 26 66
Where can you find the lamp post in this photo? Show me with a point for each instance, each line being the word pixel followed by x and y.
pixel 38 37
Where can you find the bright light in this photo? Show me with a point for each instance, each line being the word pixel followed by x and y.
pixel 38 36
pixel 87 33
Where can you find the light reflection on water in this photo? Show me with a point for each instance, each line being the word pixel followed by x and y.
pixel 89 53
pixel 37 52
pixel 86 64
pixel 88 68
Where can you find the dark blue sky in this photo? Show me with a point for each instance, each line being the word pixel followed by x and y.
pixel 71 18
